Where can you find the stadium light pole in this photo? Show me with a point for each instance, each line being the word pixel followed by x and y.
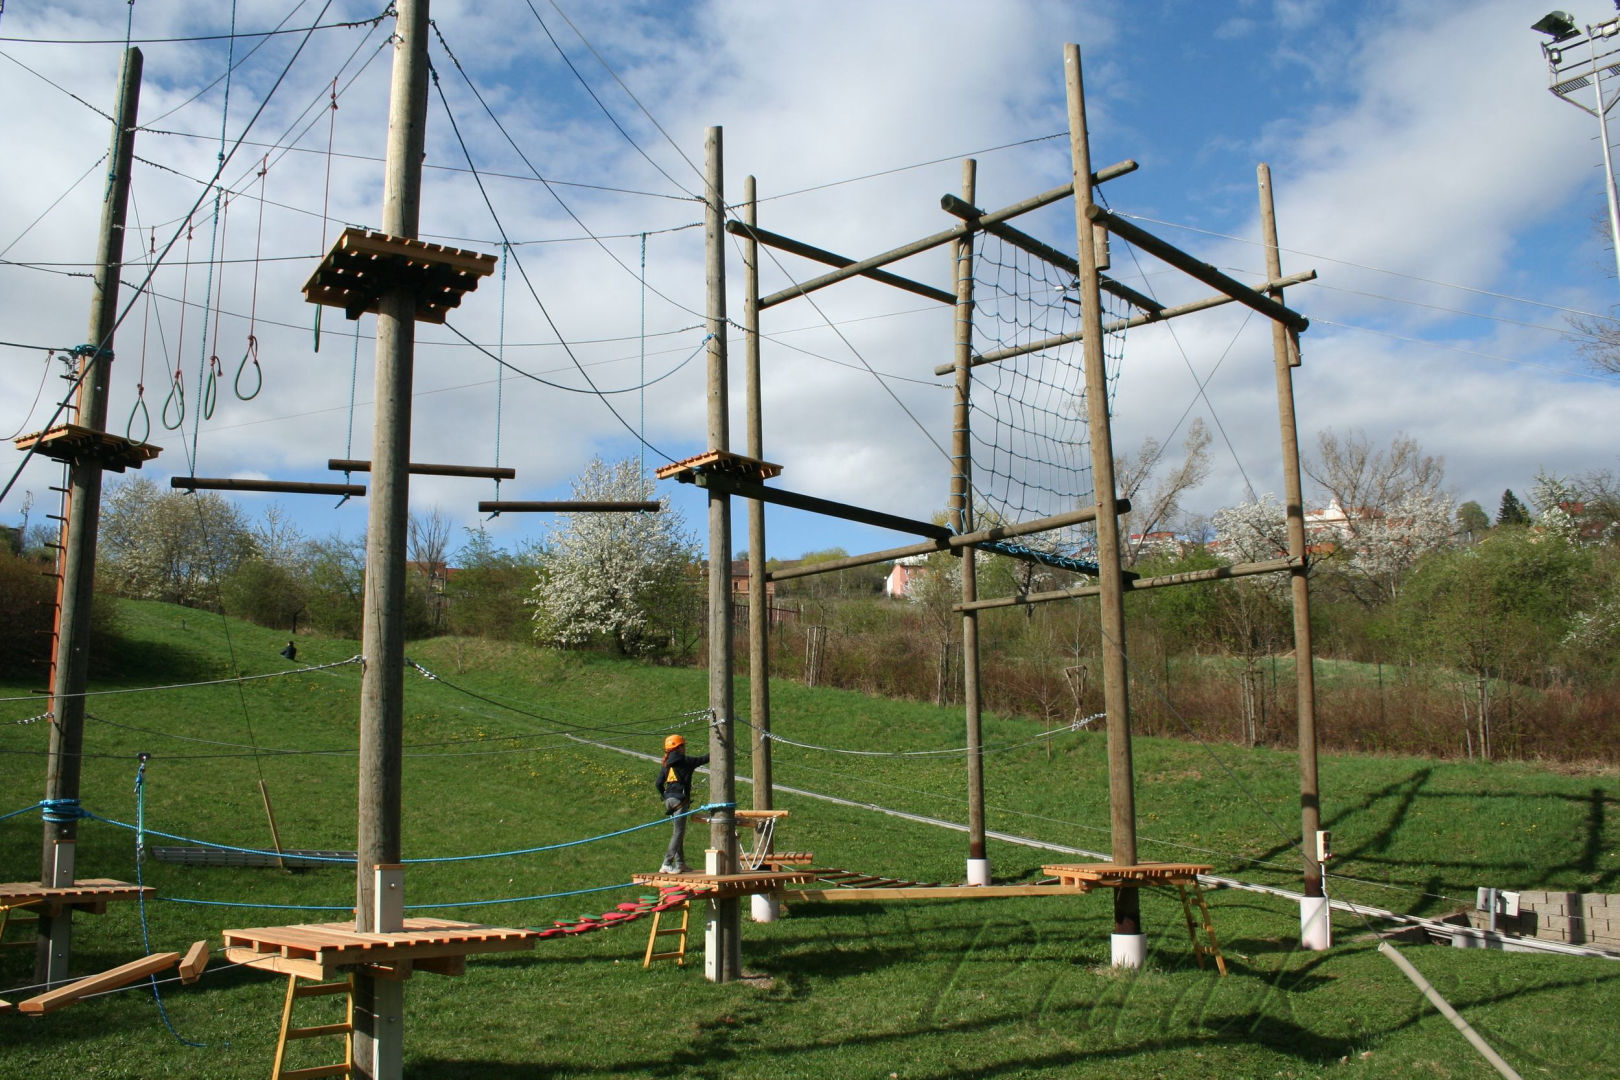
pixel 1568 74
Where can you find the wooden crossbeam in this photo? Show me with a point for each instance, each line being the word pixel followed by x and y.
pixel 284 487
pixel 569 506
pixel 796 247
pixel 123 975
pixel 750 490
pixel 420 468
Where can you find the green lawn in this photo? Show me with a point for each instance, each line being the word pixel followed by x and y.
pixel 1004 988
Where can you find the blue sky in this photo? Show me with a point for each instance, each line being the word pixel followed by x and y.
pixel 1451 206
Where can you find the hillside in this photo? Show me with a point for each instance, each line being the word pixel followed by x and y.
pixel 509 748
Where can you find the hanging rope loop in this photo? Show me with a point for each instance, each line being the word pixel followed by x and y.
pixel 251 356
pixel 210 396
pixel 141 411
pixel 175 402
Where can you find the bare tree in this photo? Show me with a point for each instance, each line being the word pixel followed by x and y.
pixel 427 541
pixel 1155 496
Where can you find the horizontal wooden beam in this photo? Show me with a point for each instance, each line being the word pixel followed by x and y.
pixel 951 204
pixel 953 542
pixel 760 493
pixel 795 247
pixel 1162 315
pixel 1214 573
pixel 285 487
pixel 905 251
pixel 1187 264
pixel 487 472
pixel 567 506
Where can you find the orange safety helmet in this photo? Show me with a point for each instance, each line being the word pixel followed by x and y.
pixel 673 742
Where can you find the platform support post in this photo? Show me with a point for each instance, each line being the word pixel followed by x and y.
pixel 1111 601
pixel 723 949
pixel 70 665
pixel 379 1003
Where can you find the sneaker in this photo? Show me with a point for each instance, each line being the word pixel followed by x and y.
pixel 666 868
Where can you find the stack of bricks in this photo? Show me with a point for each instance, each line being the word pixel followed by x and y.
pixel 1573 918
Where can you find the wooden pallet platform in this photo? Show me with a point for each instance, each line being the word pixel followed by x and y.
pixel 72 443
pixel 87 894
pixel 788 858
pixel 320 950
pixel 721 461
pixel 727 886
pixel 1112 876
pixel 363 265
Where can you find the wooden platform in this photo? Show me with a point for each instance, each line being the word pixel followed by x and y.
pixel 727 886
pixel 320 950
pixel 721 461
pixel 1112 876
pixel 72 443
pixel 363 265
pixel 89 894
pixel 926 892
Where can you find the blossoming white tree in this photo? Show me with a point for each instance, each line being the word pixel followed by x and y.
pixel 619 577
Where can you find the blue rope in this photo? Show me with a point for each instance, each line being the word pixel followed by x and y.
pixel 408 907
pixel 140 895
pixel 24 810
pixel 60 810
pixel 1061 561
pixel 268 907
pixel 438 859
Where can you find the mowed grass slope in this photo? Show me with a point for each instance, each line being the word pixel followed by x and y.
pixel 1005 988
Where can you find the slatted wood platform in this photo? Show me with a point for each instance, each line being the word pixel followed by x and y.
pixel 727 886
pixel 87 894
pixel 363 265
pixel 1112 876
pixel 72 443
pixel 321 950
pixel 722 461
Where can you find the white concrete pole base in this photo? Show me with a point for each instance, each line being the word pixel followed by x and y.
pixel 764 907
pixel 978 871
pixel 1129 950
pixel 1315 930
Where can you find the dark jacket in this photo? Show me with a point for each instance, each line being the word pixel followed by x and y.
pixel 675 775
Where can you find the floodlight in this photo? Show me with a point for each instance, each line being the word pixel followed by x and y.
pixel 1558 25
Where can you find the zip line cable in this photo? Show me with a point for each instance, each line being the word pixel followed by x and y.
pixel 639 436
pixel 599 103
pixel 233 36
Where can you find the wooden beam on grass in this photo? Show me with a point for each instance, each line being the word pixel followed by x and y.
pixel 52 1000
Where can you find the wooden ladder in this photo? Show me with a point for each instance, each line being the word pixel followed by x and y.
pixel 295 993
pixel 677 954
pixel 8 920
pixel 1200 948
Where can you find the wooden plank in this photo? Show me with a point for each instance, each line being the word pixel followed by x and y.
pixel 930 892
pixel 196 959
pixel 288 487
pixel 568 506
pixel 123 975
pixel 443 965
pixel 423 468
pixel 274 962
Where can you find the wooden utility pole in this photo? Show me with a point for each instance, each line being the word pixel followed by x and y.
pixel 379 1003
pixel 1127 943
pixel 722 944
pixel 70 666
pixel 759 612
pixel 978 865
pixel 1315 931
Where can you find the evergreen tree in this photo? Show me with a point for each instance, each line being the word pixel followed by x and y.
pixel 1512 511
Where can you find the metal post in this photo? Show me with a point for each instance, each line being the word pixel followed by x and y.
pixel 1314 926
pixel 978 865
pixel 759 610
pixel 379 1003
pixel 70 668
pixel 1128 942
pixel 723 950
pixel 1603 139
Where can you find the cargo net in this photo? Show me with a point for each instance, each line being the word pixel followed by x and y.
pixel 1030 443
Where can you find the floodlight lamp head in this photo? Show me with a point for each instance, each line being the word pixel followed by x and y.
pixel 1558 25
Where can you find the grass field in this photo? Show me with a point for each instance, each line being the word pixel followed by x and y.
pixel 1004 988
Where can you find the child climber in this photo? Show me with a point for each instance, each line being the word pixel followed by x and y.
pixel 675 786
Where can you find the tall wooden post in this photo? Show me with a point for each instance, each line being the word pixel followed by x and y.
pixel 1315 931
pixel 722 945
pixel 978 865
pixel 70 666
pixel 379 1003
pixel 759 601
pixel 1128 950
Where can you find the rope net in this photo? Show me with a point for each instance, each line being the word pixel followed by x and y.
pixel 1029 440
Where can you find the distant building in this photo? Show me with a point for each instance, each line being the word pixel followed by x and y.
pixel 905 576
